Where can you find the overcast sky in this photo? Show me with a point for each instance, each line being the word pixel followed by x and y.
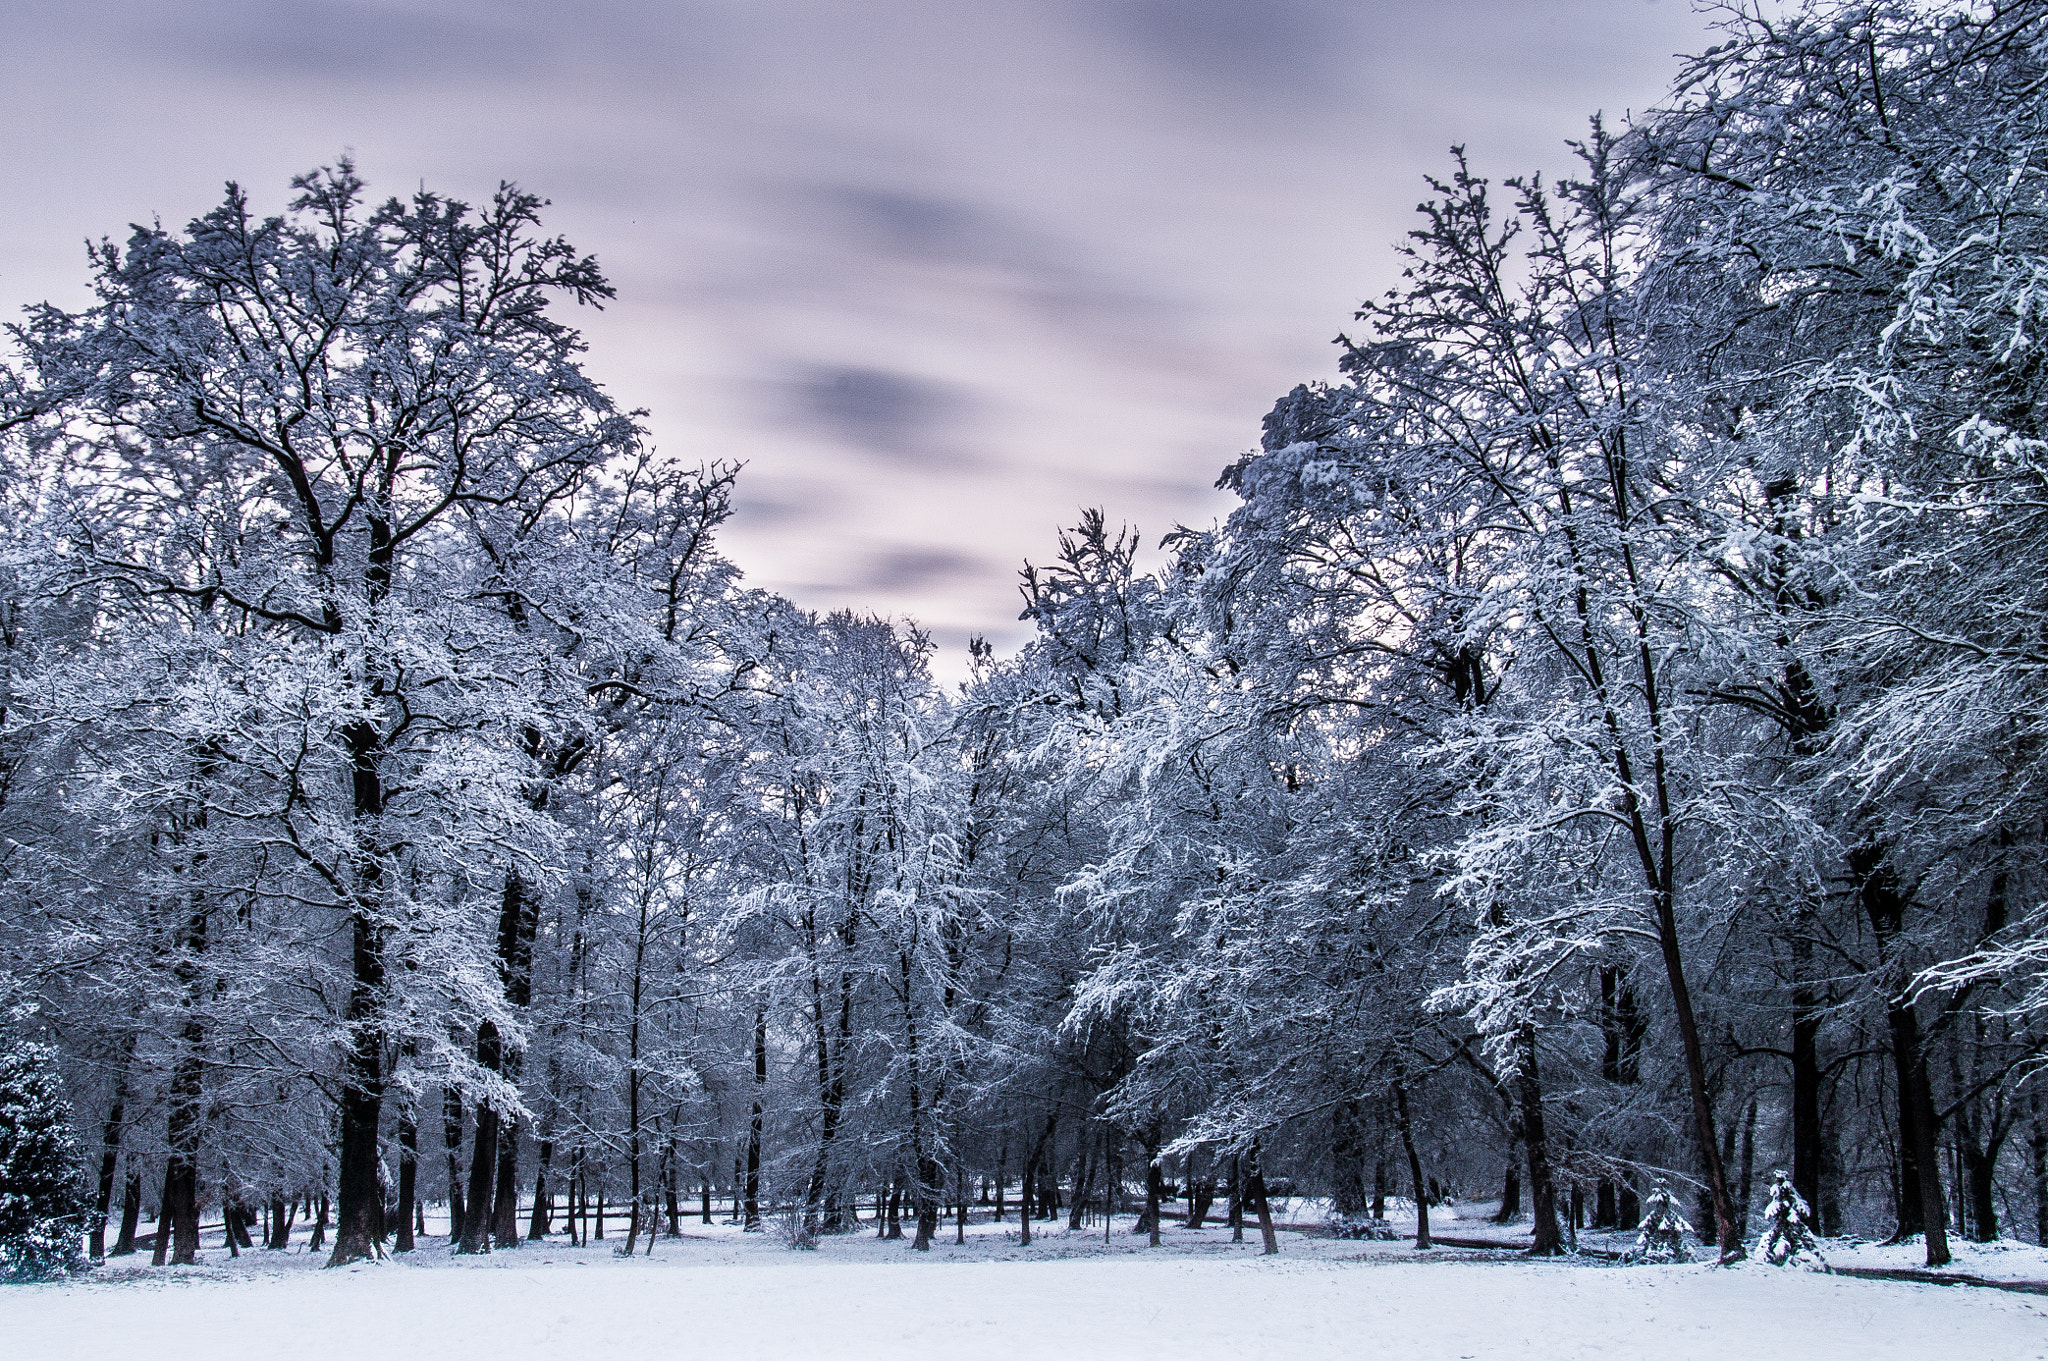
pixel 941 272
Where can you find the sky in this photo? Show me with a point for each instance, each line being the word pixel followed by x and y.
pixel 939 274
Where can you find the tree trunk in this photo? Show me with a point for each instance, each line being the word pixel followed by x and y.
pixel 451 1140
pixel 131 1212
pixel 1235 1212
pixel 828 1111
pixel 319 1235
pixel 1084 1185
pixel 1807 1003
pixel 753 1204
pixel 1153 1188
pixel 1201 1192
pixel 1029 1192
pixel 160 1251
pixel 1979 1151
pixel 2037 1144
pixel 1544 1239
pixel 359 1199
pixel 110 1151
pixel 1748 1167
pixel 542 1222
pixel 671 1191
pixel 960 1204
pixel 1727 1234
pixel 1112 1177
pixel 574 1208
pixel 1348 1152
pixel 1884 901
pixel 1255 1187
pixel 929 1177
pixel 181 1171
pixel 1024 1189
pixel 408 1174
pixel 505 1195
pixel 1415 1182
pixel 1510 1194
pixel 483 1154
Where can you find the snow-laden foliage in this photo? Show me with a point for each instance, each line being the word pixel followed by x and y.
pixel 1787 1240
pixel 42 1182
pixel 1662 1234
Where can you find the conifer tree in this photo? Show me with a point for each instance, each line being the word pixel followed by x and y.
pixel 42 1181
pixel 1664 1227
pixel 1786 1240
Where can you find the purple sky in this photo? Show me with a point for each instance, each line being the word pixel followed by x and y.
pixel 939 273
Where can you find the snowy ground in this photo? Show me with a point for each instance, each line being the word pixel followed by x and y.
pixel 718 1294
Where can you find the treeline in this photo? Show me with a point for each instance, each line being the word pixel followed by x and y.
pixel 1604 744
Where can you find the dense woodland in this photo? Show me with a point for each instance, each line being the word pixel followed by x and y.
pixel 1606 743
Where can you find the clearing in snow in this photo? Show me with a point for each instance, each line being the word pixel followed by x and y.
pixel 717 1293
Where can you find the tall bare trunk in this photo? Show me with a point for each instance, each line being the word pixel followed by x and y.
pixel 1415 1181
pixel 131 1211
pixel 475 1236
pixel 1255 1188
pixel 1544 1236
pixel 111 1131
pixel 1884 902
pixel 542 1221
pixel 1153 1180
pixel 753 1204
pixel 1807 1144
pixel 358 1228
pixel 505 1193
pixel 451 1142
pixel 408 1174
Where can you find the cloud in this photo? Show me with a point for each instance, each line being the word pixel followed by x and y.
pixel 899 417
pixel 914 568
pixel 1284 52
pixel 916 226
pixel 337 40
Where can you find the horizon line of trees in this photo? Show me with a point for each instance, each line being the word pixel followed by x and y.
pixel 1605 742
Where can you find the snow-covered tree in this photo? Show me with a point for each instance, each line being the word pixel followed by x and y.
pixel 1787 1240
pixel 1661 1236
pixel 42 1177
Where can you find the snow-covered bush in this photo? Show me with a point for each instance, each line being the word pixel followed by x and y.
pixel 42 1189
pixel 1362 1227
pixel 796 1230
pixel 1662 1236
pixel 1786 1240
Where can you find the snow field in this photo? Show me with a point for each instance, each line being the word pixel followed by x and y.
pixel 718 1294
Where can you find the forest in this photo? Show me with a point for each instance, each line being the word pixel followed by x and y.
pixel 1604 744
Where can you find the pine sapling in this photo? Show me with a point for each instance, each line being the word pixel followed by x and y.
pixel 42 1181
pixel 1664 1228
pixel 1786 1240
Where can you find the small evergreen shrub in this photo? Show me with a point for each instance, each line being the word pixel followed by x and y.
pixel 1786 1240
pixel 1362 1228
pixel 42 1187
pixel 1662 1236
